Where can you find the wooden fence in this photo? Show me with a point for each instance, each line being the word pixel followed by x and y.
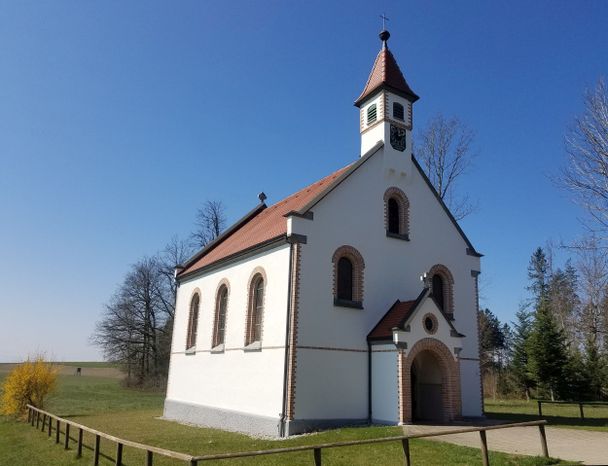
pixel 38 416
pixel 579 403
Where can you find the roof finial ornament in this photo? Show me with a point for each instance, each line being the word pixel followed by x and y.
pixel 384 35
pixel 262 197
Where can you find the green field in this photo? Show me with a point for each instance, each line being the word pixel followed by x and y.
pixel 103 404
pixel 596 417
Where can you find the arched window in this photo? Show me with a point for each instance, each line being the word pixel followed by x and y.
pixel 345 279
pixel 393 215
pixel 221 306
pixel 372 114
pixel 397 111
pixel 441 282
pixel 438 291
pixel 396 214
pixel 255 310
pixel 193 321
pixel 348 277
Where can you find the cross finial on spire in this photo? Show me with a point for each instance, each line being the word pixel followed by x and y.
pixel 384 35
pixel 384 20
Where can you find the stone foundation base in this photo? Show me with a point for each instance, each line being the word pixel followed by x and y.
pixel 217 418
pixel 252 424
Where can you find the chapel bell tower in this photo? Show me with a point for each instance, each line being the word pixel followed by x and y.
pixel 385 107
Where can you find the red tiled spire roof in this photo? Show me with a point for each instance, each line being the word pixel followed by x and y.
pixel 386 73
pixel 262 225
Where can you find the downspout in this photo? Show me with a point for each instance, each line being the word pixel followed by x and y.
pixel 282 420
pixel 369 383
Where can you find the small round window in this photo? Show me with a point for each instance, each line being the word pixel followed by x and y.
pixel 430 323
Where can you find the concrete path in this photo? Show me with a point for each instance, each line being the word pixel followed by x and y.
pixel 588 447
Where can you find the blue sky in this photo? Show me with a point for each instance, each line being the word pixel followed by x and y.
pixel 119 119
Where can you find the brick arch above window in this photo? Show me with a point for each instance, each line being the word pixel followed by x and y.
pixel 401 227
pixel 358 265
pixel 448 287
pixel 254 321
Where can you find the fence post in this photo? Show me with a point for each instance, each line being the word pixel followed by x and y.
pixel 317 455
pixel 57 430
pixel 79 450
pixel 580 407
pixel 32 420
pixel 484 448
pixel 405 443
pixel 540 408
pixel 118 454
pixel 50 425
pixel 543 440
pixel 149 458
pixel 37 419
pixel 67 436
pixel 193 463
pixel 96 451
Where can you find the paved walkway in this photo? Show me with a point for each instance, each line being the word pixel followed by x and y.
pixel 587 446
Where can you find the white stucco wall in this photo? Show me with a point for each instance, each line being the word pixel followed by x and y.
pixel 238 380
pixel 471 388
pixel 353 214
pixel 385 389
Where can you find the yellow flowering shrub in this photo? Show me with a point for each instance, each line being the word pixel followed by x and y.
pixel 28 383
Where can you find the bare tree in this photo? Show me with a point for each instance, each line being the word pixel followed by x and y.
pixel 592 265
pixel 446 153
pixel 210 222
pixel 586 174
pixel 135 320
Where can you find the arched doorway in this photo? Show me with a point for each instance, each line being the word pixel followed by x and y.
pixel 427 380
pixel 429 383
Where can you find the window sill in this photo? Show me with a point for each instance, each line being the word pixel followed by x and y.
pixel 190 351
pixel 217 349
pixel 347 303
pixel 390 234
pixel 255 346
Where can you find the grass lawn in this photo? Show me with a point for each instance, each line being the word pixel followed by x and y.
pixel 103 404
pixel 596 417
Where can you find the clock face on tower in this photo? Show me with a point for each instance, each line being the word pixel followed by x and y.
pixel 398 138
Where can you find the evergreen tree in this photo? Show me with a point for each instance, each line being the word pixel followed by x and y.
pixel 547 353
pixel 538 274
pixel 595 373
pixel 519 353
pixel 491 339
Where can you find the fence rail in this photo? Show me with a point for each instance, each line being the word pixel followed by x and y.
pixel 579 403
pixel 35 415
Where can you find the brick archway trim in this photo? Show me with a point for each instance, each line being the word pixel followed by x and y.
pixel 448 289
pixel 450 379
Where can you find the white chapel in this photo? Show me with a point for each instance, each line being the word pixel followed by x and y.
pixel 352 301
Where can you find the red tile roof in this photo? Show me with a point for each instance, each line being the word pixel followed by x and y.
pixel 396 315
pixel 268 224
pixel 386 72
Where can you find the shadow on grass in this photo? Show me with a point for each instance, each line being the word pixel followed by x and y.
pixel 552 420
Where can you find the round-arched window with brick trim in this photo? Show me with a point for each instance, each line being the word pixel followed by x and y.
pixel 221 309
pixel 396 213
pixel 441 283
pixel 255 310
pixel 348 268
pixel 193 321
